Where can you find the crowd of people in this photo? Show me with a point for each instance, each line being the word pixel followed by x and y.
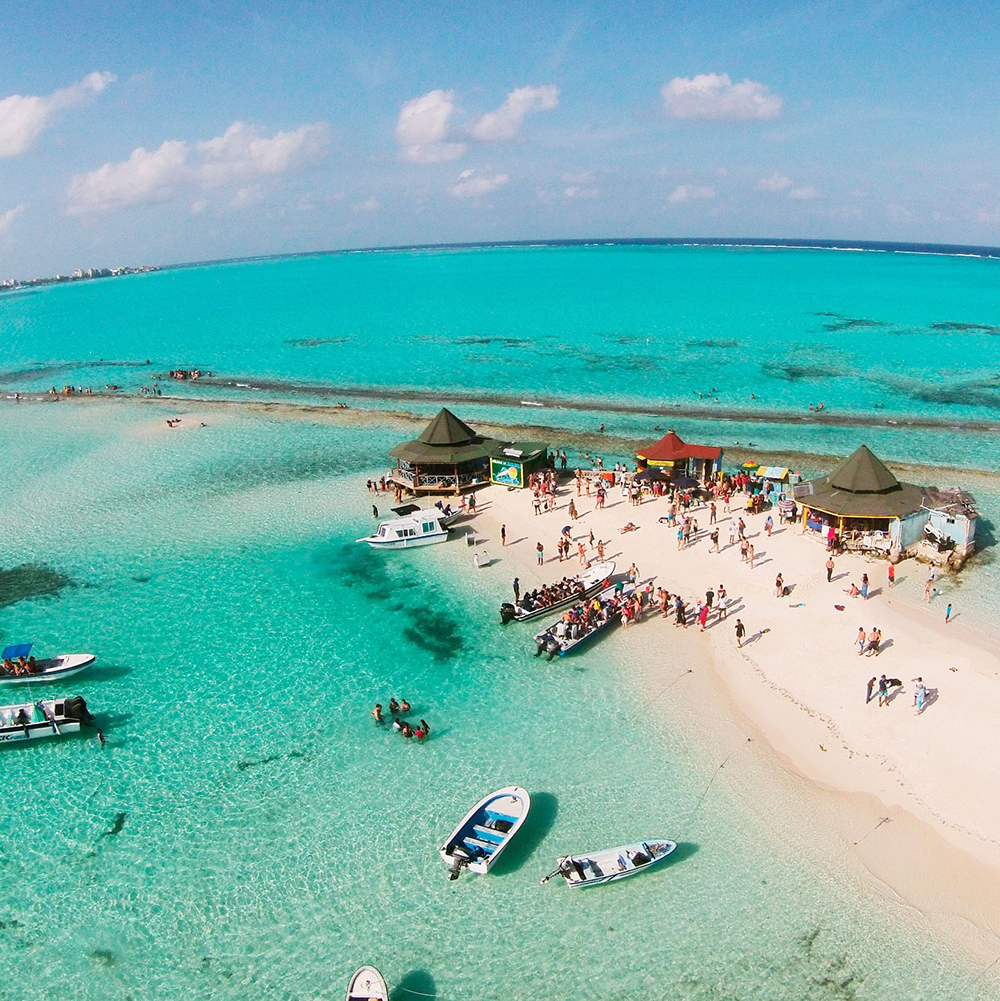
pixel 399 725
pixel 20 668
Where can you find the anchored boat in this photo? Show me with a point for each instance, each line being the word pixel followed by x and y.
pixel 576 628
pixel 17 666
pixel 48 718
pixel 486 830
pixel 611 864
pixel 367 984
pixel 552 596
pixel 422 528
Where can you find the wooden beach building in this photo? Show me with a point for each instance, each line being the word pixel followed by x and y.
pixel 675 456
pixel 870 509
pixel 448 456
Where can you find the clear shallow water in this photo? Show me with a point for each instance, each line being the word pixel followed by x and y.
pixel 758 329
pixel 274 838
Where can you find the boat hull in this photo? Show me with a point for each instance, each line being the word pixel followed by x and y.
pixel 43 720
pixel 486 830
pixel 565 645
pixel 592 580
pixel 612 864
pixel 53 669
pixel 423 540
pixel 367 984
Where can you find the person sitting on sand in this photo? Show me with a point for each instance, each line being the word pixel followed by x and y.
pixel 630 527
pixel 853 590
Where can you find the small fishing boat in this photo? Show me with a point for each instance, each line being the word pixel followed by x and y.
pixel 486 830
pixel 50 669
pixel 562 636
pixel 584 584
pixel 367 984
pixel 423 528
pixel 48 718
pixel 611 864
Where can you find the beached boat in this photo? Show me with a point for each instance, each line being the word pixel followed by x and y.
pixel 50 669
pixel 584 584
pixel 48 718
pixel 562 636
pixel 423 528
pixel 367 984
pixel 611 864
pixel 444 512
pixel 485 831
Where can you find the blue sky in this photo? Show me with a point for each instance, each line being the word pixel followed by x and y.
pixel 169 132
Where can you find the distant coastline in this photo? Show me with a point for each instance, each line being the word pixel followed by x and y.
pixel 80 275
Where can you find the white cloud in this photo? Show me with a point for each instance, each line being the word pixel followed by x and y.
pixel 144 177
pixel 423 126
pixel 371 204
pixel 575 191
pixel 241 153
pixel 688 193
pixel 984 215
pixel 8 217
pixel 714 97
pixel 506 121
pixel 804 194
pixel 22 119
pixel 474 183
pixel 776 182
pixel 846 212
pixel 198 206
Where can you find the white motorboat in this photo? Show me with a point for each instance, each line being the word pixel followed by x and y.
pixel 485 831
pixel 535 603
pixel 422 528
pixel 573 629
pixel 611 864
pixel 367 984
pixel 18 667
pixel 445 513
pixel 48 718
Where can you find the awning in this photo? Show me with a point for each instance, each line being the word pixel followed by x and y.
pixel 18 650
pixel 772 472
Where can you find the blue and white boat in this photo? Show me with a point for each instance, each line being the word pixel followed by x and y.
pixel 18 667
pixel 41 720
pixel 367 984
pixel 571 631
pixel 611 864
pixel 486 830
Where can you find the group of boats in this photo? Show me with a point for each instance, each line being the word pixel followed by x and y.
pixel 480 838
pixel 46 717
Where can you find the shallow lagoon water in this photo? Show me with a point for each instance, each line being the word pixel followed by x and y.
pixel 249 832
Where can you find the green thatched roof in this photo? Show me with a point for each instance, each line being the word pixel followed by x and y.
pixel 445 441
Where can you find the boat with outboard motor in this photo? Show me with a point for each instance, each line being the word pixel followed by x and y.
pixel 611 864
pixel 580 625
pixel 18 667
pixel 445 514
pixel 48 718
pixel 485 831
pixel 421 528
pixel 367 984
pixel 551 596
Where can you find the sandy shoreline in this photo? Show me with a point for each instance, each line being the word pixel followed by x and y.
pixel 818 752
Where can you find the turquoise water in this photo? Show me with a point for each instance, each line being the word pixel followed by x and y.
pixel 758 330
pixel 249 832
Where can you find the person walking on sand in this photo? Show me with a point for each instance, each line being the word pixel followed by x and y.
pixel 829 569
pixel 871 685
pixel 860 640
pixel 703 616
pixel 919 695
pixel 883 691
pixel 947 613
pixel 769 526
pixel 714 547
pixel 723 602
pixel 741 631
pixel 503 535
pixel 750 556
pixel 540 549
pixel 892 574
pixel 864 586
pixel 779 586
pixel 927 589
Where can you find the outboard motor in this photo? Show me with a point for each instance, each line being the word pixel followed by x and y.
pixel 76 708
pixel 506 612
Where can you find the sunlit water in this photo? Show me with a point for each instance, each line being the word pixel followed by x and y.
pixel 249 832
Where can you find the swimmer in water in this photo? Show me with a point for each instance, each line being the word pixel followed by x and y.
pixel 404 706
pixel 377 713
pixel 393 706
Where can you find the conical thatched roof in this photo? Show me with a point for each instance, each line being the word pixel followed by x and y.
pixel 862 472
pixel 671 448
pixel 861 486
pixel 447 429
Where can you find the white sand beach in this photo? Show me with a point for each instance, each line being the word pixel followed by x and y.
pixel 799 686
